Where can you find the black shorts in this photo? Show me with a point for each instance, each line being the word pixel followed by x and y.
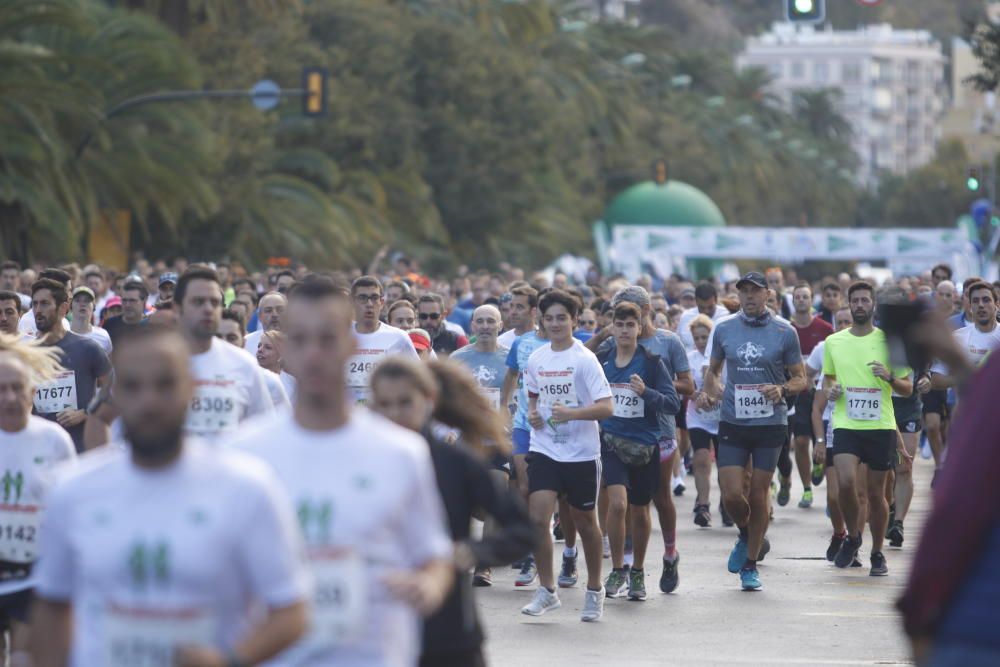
pixel 738 444
pixel 911 424
pixel 682 417
pixel 641 482
pixel 502 463
pixel 936 401
pixel 577 480
pixel 16 607
pixel 876 448
pixel 702 439
pixel 802 419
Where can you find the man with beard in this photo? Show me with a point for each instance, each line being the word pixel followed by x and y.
pixel 64 399
pixel 153 552
pixel 860 381
pixel 431 314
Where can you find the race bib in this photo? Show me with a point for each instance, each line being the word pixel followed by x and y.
pixel 557 387
pixel 360 367
pixel 493 396
pixel 863 403
pixel 340 600
pixel 214 408
pixel 750 403
pixel 19 532
pixel 57 394
pixel 628 404
pixel 150 638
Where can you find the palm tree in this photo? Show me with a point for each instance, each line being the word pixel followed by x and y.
pixel 818 111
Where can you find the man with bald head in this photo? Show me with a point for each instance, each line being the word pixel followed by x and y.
pixel 270 311
pixel 487 360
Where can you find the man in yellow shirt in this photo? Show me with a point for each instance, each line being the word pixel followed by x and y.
pixel 859 380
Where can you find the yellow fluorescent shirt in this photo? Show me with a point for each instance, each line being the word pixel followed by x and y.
pixel 866 404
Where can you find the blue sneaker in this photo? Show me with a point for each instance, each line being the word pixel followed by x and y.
pixel 750 580
pixel 738 556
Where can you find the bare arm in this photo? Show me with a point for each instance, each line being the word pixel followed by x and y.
pixel 819 405
pixel 797 383
pixel 599 337
pixel 52 634
pixel 509 385
pixel 425 588
pixel 684 383
pixel 713 380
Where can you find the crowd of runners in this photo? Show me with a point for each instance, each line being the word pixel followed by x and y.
pixel 205 466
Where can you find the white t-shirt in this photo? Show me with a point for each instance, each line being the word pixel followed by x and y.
pixel 372 347
pixel 572 377
pixel 684 324
pixel 976 345
pixel 27 459
pixel 290 384
pixel 169 556
pixel 229 389
pixel 507 338
pixel 367 497
pixel 705 420
pixel 275 388
pixel 815 363
pixel 101 337
pixel 252 341
pixel 454 328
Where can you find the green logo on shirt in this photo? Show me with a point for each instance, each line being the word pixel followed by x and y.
pixel 316 519
pixel 12 484
pixel 149 564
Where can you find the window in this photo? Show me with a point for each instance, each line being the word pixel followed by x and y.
pixel 798 70
pixel 821 71
pixel 851 73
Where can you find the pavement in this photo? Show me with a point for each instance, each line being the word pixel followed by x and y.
pixel 808 613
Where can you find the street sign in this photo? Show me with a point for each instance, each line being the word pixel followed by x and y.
pixel 265 94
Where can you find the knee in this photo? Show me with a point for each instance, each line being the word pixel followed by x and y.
pixel 617 506
pixel 758 497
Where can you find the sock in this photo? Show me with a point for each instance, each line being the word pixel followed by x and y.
pixel 569 553
pixel 670 545
pixel 750 565
pixel 744 535
pixel 806 488
pixel 637 569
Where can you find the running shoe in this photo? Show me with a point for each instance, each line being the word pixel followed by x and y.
pixel 636 584
pixel 835 542
pixel 616 584
pixel 726 519
pixel 679 487
pixel 750 580
pixel 544 600
pixel 557 531
pixel 765 549
pixel 702 516
pixel 895 534
pixel 528 573
pixel 593 606
pixel 879 568
pixel 848 551
pixel 738 555
pixel 807 500
pixel 818 473
pixel 856 562
pixel 784 494
pixel 669 579
pixel 892 518
pixel 925 447
pixel 567 574
pixel 482 577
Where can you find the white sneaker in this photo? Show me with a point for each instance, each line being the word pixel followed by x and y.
pixel 593 605
pixel 543 601
pixel 607 547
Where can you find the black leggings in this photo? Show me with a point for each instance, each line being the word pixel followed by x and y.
pixel 785 461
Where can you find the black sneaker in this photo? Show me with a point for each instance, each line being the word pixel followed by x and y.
pixel 482 577
pixel 669 578
pixel 568 574
pixel 835 542
pixel 765 548
pixel 895 534
pixel 724 515
pixel 702 517
pixel 557 531
pixel 879 568
pixel 848 550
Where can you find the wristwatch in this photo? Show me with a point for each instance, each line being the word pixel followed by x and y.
pixel 820 441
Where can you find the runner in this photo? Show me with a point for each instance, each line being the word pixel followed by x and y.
pixel 152 551
pixel 521 316
pixel 979 339
pixel 430 315
pixel 27 325
pixel 228 388
pixel 703 425
pixel 858 377
pixel 10 281
pixel 374 338
pixel 133 303
pixel 64 398
pixel 231 331
pixel 830 302
pixel 30 447
pixel 10 313
pixel 567 396
pixel 82 308
pixel 642 388
pixel 366 496
pixel 908 424
pixel 269 311
pixel 406 392
pixel 811 331
pixel 759 352
pixel 402 315
pixel 706 297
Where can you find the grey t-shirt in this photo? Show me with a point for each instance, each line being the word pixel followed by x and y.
pixel 754 355
pixel 489 368
pixel 668 347
pixel 87 361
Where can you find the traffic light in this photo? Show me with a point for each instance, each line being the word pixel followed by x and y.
pixel 660 173
pixel 805 11
pixel 972 181
pixel 314 81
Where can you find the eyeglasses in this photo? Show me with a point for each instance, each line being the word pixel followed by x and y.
pixel 430 316
pixel 368 298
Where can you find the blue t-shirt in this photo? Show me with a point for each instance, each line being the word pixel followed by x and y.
pixel 517 360
pixel 660 396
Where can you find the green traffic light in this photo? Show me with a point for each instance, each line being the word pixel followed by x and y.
pixel 972 183
pixel 805 6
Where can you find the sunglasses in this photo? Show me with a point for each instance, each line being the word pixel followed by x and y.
pixel 430 316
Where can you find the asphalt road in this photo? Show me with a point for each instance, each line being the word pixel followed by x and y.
pixel 808 613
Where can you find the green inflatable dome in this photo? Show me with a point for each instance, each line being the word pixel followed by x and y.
pixel 673 204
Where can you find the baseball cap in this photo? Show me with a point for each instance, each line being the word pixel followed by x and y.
pixel 687 291
pixel 420 338
pixel 754 278
pixel 169 277
pixel 112 302
pixel 633 294
pixel 82 289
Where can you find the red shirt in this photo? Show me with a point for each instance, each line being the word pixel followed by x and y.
pixel 810 336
